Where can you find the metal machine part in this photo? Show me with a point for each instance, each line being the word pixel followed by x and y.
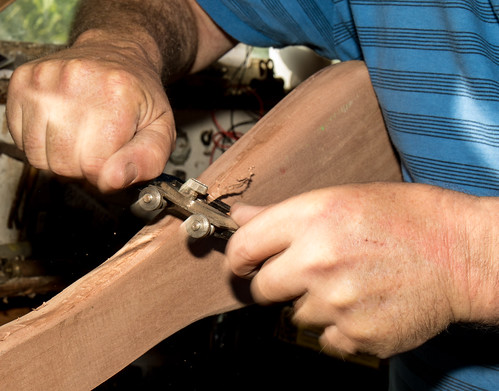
pixel 189 199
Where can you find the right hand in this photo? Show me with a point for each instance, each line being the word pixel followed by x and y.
pixel 96 111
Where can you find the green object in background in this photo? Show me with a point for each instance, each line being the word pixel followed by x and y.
pixel 40 21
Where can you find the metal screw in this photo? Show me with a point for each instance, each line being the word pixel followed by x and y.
pixel 147 198
pixel 198 226
pixel 150 199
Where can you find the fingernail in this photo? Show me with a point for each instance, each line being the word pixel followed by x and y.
pixel 130 174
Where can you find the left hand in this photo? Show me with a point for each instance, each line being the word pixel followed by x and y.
pixel 377 266
pixel 97 110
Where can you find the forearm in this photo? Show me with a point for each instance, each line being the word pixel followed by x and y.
pixel 175 36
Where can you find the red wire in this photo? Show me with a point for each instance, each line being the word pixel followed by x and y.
pixel 220 135
pixel 230 135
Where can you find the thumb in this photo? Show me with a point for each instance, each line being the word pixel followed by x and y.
pixel 143 158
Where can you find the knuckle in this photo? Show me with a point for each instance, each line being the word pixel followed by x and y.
pixel 71 71
pixel 238 253
pixel 266 289
pixel 315 211
pixel 344 295
pixel 19 78
pixel 333 341
pixel 120 77
pixel 119 93
pixel 37 159
pixel 40 73
pixel 361 335
pixel 118 83
pixel 352 341
pixel 111 83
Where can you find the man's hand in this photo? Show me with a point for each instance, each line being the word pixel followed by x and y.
pixel 380 267
pixel 97 111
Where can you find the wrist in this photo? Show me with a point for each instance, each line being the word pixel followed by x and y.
pixel 484 270
pixel 478 269
pixel 139 46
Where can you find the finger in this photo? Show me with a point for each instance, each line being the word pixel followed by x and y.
pixel 28 111
pixel 79 140
pixel 33 137
pixel 334 341
pixel 101 135
pixel 260 238
pixel 241 213
pixel 280 279
pixel 13 114
pixel 25 120
pixel 143 158
pixel 82 140
pixel 62 144
pixel 31 112
pixel 312 310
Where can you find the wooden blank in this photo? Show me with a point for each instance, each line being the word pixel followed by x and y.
pixel 328 131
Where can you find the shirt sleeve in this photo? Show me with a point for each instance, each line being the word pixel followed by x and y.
pixel 324 26
pixel 234 21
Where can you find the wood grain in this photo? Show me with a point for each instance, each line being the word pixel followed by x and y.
pixel 327 131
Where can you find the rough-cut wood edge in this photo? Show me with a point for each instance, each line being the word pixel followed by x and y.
pixel 5 3
pixel 328 131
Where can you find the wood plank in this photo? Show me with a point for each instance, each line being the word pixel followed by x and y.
pixel 328 131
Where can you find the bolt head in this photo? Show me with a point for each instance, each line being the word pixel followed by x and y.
pixel 198 226
pixel 150 199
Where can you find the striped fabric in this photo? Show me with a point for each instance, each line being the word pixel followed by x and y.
pixel 435 68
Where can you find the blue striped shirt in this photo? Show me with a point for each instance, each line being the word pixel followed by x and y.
pixel 435 68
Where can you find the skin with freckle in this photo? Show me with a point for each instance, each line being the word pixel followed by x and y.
pixel 365 263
